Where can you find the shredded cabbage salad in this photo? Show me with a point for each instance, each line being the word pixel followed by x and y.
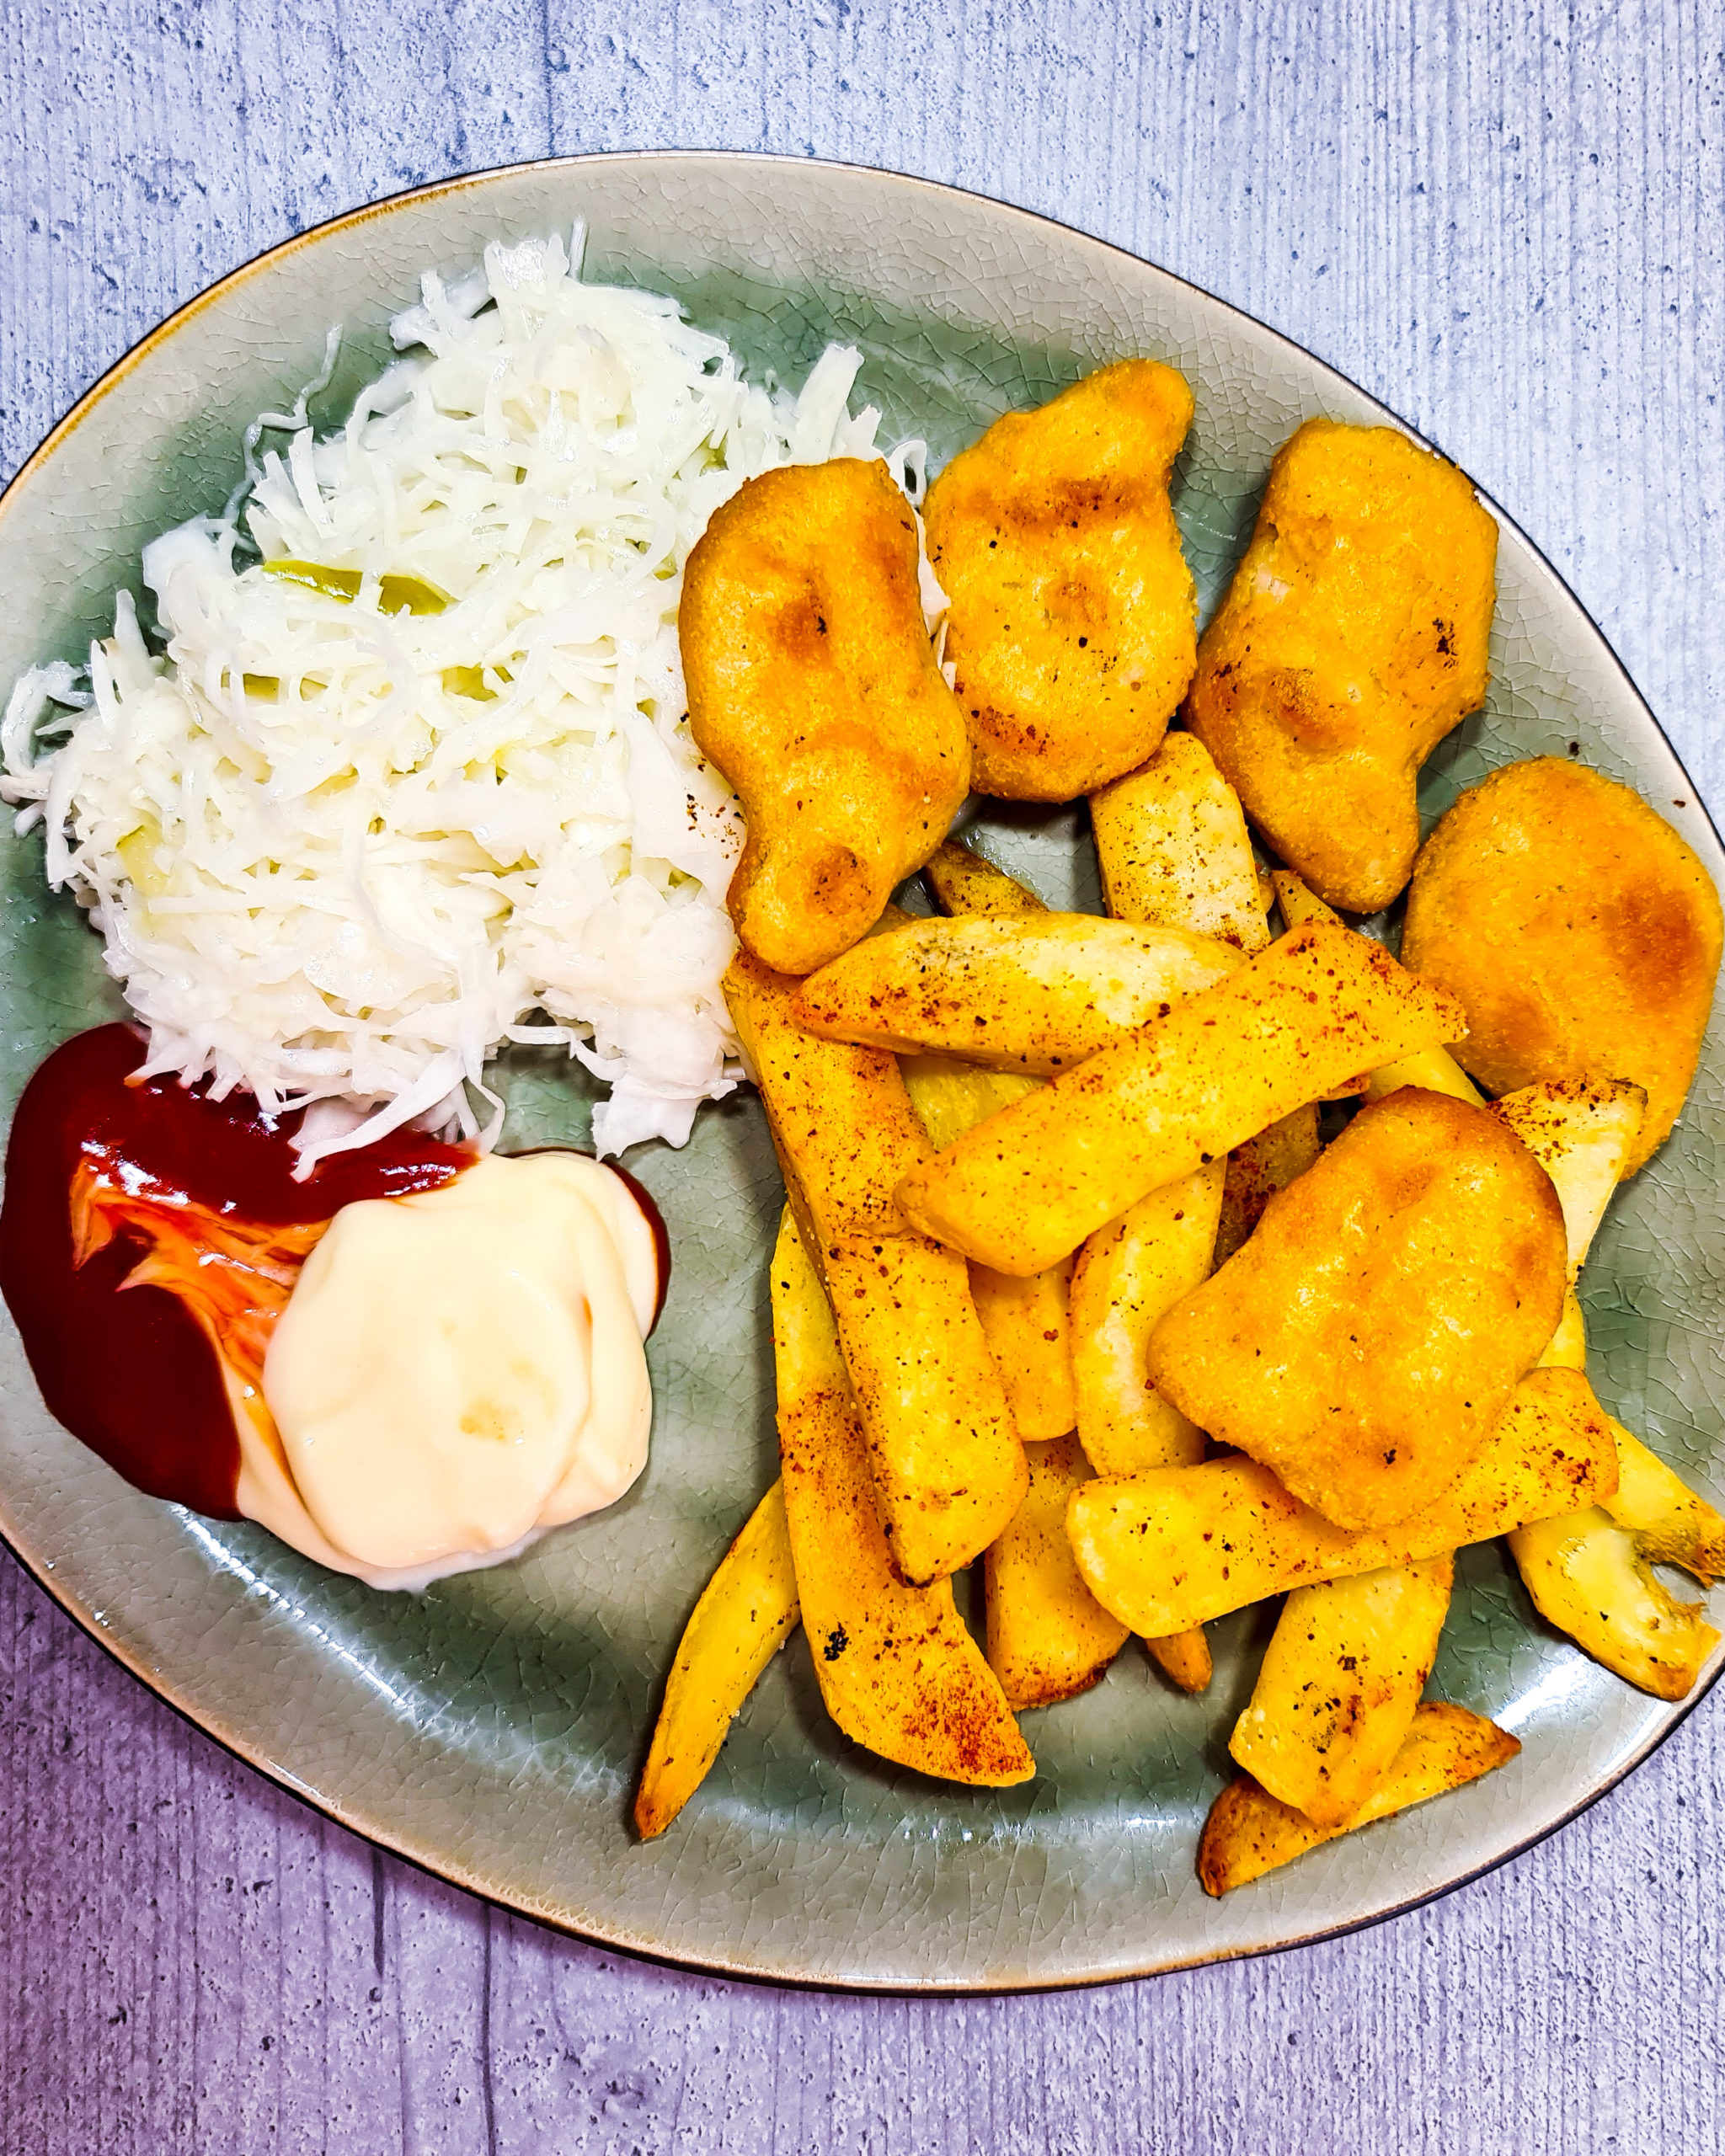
pixel 418 780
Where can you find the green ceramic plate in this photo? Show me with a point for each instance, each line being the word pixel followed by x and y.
pixel 491 1730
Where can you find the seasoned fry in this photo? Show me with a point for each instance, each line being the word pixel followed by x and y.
pixel 1590 1574
pixel 1127 1276
pixel 1071 629
pixel 1583 1133
pixel 1025 1187
pixel 1301 907
pixel 1672 1524
pixel 1175 1546
pixel 1048 1638
pixel 1172 845
pixel 1580 931
pixel 1248 1833
pixel 1339 1685
pixel 1592 1579
pixel 897 1669
pixel 1036 994
pixel 1258 1169
pixel 746 1612
pixel 1028 1329
pixel 1351 639
pixel 1366 1341
pixel 1025 1322
pixel 963 881
pixel 814 688
pixel 1432 1069
pixel 949 1469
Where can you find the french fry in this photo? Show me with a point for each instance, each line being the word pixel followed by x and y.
pixel 1025 1187
pixel 1036 993
pixel 1048 1638
pixel 1128 1275
pixel 897 1667
pixel 1172 844
pixel 948 1468
pixel 1249 1833
pixel 1301 907
pixel 746 1612
pixel 1433 1069
pixel 1581 1131
pixel 1027 1327
pixel 965 882
pixel 1258 1170
pixel 1590 1574
pixel 1339 1685
pixel 1175 1546
pixel 1025 1322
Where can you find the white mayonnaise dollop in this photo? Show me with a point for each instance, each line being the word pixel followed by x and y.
pixel 458 1371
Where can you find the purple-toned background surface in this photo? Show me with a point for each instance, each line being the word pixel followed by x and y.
pixel 1506 223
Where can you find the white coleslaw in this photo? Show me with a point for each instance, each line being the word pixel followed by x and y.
pixel 340 847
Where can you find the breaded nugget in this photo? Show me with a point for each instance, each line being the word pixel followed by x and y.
pixel 1072 628
pixel 813 687
pixel 1365 1341
pixel 1580 930
pixel 1351 639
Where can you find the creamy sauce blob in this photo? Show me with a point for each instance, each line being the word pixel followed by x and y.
pixel 457 1378
pixel 458 1371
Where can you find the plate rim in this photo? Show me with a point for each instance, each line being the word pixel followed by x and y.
pixel 592 1930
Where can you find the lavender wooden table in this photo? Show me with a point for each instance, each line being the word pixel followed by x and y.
pixel 1506 223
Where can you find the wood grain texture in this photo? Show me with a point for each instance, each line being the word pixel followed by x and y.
pixel 1504 223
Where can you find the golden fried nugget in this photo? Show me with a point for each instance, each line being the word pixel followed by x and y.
pixel 1580 931
pixel 1071 629
pixel 1366 1339
pixel 1351 639
pixel 813 687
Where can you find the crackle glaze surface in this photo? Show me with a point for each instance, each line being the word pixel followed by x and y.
pixel 492 1728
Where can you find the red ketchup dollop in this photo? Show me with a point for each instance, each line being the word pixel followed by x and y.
pixel 131 1373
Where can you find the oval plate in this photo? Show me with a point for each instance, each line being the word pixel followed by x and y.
pixel 491 1730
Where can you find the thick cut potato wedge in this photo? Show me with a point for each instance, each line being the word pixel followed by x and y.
pixel 1432 1069
pixel 1567 1350
pixel 1025 1322
pixel 1027 1327
pixel 1583 1133
pixel 1049 1637
pixel 1248 1833
pixel 897 1669
pixel 964 881
pixel 1590 1574
pixel 746 1612
pixel 1175 1546
pixel 1128 1275
pixel 1172 845
pixel 1591 1579
pixel 1036 993
pixel 1673 1524
pixel 1258 1169
pixel 1025 1187
pixel 948 1468
pixel 1339 1683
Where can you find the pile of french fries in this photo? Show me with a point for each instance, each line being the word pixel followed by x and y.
pixel 1013 1141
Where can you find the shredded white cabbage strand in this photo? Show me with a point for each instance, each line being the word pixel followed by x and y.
pixel 339 847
